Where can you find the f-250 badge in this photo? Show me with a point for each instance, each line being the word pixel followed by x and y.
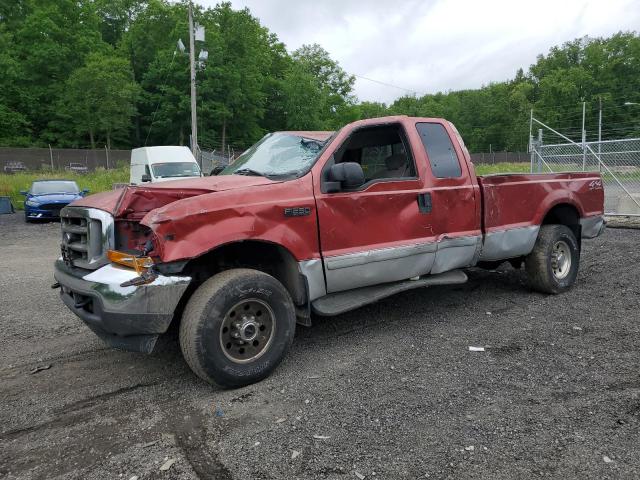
pixel 297 211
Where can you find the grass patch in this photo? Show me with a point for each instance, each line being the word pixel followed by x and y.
pixel 503 167
pixel 97 181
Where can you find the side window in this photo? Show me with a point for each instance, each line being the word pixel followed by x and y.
pixel 381 152
pixel 372 160
pixel 442 156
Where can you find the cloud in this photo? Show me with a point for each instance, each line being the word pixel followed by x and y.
pixel 437 45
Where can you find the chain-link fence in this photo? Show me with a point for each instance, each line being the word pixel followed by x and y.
pixel 617 160
pixel 13 160
pixel 210 159
pixel 492 158
pixel 78 160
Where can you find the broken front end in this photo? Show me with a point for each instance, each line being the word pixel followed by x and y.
pixel 109 277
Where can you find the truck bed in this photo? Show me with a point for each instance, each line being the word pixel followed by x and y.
pixel 521 200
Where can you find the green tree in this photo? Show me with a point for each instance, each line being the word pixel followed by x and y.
pixel 335 85
pixel 14 126
pixel 117 16
pixel 51 41
pixel 372 110
pixel 165 101
pixel 234 80
pixel 100 98
pixel 302 100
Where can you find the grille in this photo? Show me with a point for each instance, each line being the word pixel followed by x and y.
pixel 51 206
pixel 86 235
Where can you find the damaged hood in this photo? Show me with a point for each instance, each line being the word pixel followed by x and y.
pixel 135 202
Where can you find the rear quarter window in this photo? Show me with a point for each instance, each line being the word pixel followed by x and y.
pixel 442 156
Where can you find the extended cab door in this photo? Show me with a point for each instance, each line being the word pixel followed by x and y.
pixel 455 194
pixel 382 231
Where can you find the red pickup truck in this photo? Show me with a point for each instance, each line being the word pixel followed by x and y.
pixel 310 222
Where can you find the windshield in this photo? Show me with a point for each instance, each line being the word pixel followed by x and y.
pixel 64 186
pixel 175 169
pixel 277 154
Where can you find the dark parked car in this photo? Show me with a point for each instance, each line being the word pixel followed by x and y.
pixel 77 168
pixel 14 167
pixel 46 198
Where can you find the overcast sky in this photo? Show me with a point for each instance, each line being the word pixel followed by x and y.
pixel 437 45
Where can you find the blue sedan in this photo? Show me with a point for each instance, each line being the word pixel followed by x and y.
pixel 46 198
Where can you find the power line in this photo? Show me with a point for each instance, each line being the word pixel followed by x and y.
pixel 385 84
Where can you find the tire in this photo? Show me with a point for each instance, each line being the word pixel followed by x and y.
pixel 249 304
pixel 547 266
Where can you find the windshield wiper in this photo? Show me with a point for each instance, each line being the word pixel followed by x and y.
pixel 249 172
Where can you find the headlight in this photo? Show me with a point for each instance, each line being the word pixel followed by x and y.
pixel 139 264
pixel 142 266
pixel 31 203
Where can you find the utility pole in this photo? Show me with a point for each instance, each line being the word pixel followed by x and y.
pixel 192 63
pixel 584 139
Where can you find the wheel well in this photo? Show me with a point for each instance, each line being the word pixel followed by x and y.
pixel 267 257
pixel 565 214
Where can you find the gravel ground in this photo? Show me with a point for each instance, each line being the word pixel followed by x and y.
pixel 388 391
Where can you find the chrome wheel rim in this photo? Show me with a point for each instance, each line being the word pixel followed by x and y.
pixel 247 330
pixel 561 259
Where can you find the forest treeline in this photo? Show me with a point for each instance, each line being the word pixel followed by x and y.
pixel 89 73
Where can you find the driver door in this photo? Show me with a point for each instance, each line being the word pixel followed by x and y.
pixel 381 231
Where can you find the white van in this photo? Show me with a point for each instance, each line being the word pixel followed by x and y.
pixel 159 164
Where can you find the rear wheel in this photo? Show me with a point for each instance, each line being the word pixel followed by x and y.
pixel 237 327
pixel 552 266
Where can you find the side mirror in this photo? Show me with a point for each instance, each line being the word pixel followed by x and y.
pixel 146 177
pixel 24 192
pixel 216 170
pixel 345 176
pixel 85 192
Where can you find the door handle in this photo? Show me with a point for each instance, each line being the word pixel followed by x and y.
pixel 424 202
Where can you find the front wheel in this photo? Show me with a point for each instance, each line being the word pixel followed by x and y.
pixel 237 327
pixel 552 266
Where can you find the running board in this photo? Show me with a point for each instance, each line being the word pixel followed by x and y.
pixel 341 302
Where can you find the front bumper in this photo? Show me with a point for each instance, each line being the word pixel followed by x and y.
pixel 130 318
pixel 35 212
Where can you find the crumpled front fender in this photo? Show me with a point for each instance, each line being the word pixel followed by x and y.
pixel 190 227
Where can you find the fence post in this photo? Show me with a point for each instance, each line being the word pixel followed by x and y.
pixel 600 135
pixel 106 151
pixel 540 152
pixel 51 156
pixel 532 151
pixel 584 139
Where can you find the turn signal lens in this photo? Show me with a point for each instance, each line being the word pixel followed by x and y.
pixel 139 264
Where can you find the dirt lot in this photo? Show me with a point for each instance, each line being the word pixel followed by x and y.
pixel 388 391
